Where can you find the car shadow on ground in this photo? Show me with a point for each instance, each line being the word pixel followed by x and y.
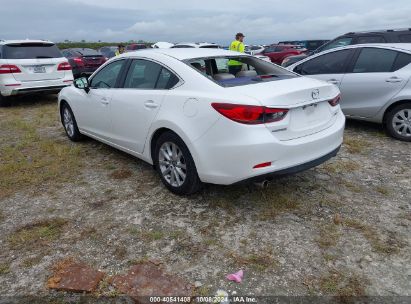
pixel 30 100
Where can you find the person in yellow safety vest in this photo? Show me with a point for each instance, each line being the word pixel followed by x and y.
pixel 237 46
pixel 120 49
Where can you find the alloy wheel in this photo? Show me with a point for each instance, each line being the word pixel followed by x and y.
pixel 68 122
pixel 172 164
pixel 401 122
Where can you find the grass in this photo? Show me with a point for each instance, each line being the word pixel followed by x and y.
pixel 391 245
pixel 121 174
pixel 341 166
pixel 328 236
pixel 148 235
pixel 4 268
pixel 343 284
pixel 383 190
pixel 30 262
pixel 355 146
pixel 29 159
pixel 37 233
pixel 259 261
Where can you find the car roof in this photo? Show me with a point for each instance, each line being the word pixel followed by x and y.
pixel 196 44
pixel 184 53
pixel 400 46
pixel 5 42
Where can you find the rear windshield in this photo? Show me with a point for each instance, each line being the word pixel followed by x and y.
pixel 87 52
pixel 31 51
pixel 232 71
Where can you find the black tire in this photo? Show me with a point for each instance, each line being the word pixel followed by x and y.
pixel 4 102
pixel 191 183
pixel 72 132
pixel 399 113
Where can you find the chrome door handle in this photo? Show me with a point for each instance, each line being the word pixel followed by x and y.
pixel 393 79
pixel 333 81
pixel 104 101
pixel 150 104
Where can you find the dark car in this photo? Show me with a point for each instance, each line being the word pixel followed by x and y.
pixel 108 51
pixel 83 61
pixel 277 52
pixel 135 47
pixel 310 45
pixel 384 36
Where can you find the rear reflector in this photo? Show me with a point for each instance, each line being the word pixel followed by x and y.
pixel 335 101
pixel 64 66
pixel 9 69
pixel 250 115
pixel 263 165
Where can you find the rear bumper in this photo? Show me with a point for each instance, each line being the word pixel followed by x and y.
pixel 54 89
pixel 13 87
pixel 292 170
pixel 227 153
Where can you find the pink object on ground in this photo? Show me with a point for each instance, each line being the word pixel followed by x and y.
pixel 236 277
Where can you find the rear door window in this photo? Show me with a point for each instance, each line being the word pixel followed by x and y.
pixel 145 74
pixel 370 39
pixel 331 63
pixel 401 61
pixel 374 60
pixel 31 51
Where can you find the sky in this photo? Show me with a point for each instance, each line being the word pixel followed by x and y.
pixel 262 21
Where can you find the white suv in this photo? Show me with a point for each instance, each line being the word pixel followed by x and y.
pixel 31 66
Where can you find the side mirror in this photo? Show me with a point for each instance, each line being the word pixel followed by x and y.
pixel 82 83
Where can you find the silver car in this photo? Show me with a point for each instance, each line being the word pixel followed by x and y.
pixel 374 80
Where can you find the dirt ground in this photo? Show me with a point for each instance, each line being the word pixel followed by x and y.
pixel 342 228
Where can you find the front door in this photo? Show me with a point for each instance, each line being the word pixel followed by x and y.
pixel 135 106
pixel 95 105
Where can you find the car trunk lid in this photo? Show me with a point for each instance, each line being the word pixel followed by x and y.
pixel 307 102
pixel 37 69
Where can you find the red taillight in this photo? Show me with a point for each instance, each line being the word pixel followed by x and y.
pixel 64 66
pixel 251 115
pixel 9 69
pixel 78 61
pixel 263 165
pixel 335 101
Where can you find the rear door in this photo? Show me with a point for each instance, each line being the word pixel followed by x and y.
pixel 375 77
pixel 329 67
pixel 136 104
pixel 36 61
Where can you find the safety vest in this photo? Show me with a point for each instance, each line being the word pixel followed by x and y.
pixel 236 46
pixel 117 52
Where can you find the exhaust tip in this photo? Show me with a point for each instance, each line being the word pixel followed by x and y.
pixel 262 185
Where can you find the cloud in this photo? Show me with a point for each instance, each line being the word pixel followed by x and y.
pixel 265 21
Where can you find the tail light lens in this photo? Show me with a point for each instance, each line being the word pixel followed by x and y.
pixel 64 66
pixel 335 101
pixel 78 61
pixel 9 69
pixel 250 115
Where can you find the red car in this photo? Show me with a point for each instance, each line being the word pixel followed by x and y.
pixel 277 52
pixel 135 46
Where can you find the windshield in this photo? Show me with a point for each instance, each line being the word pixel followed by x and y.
pixel 231 71
pixel 31 51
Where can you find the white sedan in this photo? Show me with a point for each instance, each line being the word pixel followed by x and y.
pixel 184 112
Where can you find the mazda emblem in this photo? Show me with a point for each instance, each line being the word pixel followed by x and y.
pixel 315 94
